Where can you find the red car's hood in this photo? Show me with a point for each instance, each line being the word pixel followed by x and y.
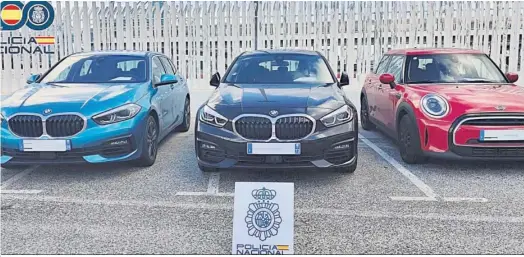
pixel 478 97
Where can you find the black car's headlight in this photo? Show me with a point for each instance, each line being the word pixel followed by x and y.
pixel 2 119
pixel 341 115
pixel 434 106
pixel 211 117
pixel 124 112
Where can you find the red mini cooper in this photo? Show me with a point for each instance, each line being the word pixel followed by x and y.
pixel 450 103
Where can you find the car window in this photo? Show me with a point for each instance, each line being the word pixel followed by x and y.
pixel 280 68
pixel 167 66
pixel 158 69
pixel 395 67
pixel 383 64
pixel 452 68
pixel 86 68
pixel 93 68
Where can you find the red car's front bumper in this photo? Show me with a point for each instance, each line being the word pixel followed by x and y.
pixel 461 139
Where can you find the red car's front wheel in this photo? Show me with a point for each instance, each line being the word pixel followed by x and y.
pixel 409 141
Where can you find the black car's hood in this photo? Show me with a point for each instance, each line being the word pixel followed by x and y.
pixel 295 96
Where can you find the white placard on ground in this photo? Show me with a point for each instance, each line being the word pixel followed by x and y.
pixel 263 218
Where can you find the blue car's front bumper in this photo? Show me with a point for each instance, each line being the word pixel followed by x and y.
pixel 96 144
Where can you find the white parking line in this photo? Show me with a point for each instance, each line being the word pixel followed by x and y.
pixel 229 207
pixel 213 184
pixel 17 177
pixel 212 188
pixel 20 191
pixel 428 191
pixel 205 194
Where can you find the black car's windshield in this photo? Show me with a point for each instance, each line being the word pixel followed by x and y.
pixel 98 69
pixel 452 68
pixel 280 69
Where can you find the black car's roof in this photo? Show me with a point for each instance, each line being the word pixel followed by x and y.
pixel 281 51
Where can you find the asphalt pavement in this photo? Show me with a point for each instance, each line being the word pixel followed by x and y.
pixel 385 207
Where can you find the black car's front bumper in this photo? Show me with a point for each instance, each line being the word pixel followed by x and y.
pixel 330 147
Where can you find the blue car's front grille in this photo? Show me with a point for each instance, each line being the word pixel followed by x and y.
pixel 55 126
pixel 26 125
pixel 64 125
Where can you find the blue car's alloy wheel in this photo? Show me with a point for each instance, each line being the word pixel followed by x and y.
pixel 150 143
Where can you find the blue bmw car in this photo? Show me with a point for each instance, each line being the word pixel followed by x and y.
pixel 94 108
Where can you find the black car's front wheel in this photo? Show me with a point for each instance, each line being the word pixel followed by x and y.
pixel 149 143
pixel 347 169
pixel 207 169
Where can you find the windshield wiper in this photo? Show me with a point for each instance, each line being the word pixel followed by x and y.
pixel 54 84
pixel 467 80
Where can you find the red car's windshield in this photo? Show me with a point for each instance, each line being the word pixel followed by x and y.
pixel 452 68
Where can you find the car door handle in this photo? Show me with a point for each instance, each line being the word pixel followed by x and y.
pixel 172 86
pixel 380 86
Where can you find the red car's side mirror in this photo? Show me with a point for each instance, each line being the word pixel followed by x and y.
pixel 512 77
pixel 387 78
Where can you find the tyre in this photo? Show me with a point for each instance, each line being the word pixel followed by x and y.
pixel 347 169
pixel 207 169
pixel 409 141
pixel 187 117
pixel 149 143
pixel 13 166
pixel 364 115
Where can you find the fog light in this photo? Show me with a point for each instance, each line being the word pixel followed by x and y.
pixel 341 147
pixel 208 146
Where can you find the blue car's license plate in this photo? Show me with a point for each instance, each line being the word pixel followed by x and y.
pixel 273 148
pixel 45 145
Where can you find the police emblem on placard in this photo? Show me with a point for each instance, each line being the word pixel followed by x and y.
pixel 263 217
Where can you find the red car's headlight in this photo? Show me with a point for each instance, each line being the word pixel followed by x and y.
pixel 434 106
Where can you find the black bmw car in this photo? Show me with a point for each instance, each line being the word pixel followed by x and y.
pixel 277 109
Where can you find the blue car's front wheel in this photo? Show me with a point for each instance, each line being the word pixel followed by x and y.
pixel 149 143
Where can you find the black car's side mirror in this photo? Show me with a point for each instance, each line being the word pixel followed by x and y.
pixel 344 79
pixel 215 80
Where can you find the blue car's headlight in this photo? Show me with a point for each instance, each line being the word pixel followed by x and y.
pixel 341 115
pixel 434 106
pixel 124 112
pixel 211 117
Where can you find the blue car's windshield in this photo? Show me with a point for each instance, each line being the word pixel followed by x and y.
pixel 280 69
pixel 98 69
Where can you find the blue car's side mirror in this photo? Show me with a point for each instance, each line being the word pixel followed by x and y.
pixel 167 79
pixel 33 78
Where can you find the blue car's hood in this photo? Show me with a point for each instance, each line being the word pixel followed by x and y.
pixel 88 99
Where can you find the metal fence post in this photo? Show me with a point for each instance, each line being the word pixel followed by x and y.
pixel 256 24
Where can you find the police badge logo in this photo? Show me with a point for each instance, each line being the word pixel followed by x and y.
pixel 38 14
pixel 263 217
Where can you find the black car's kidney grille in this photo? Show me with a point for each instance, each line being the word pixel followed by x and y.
pixel 295 127
pixel 26 125
pixel 64 125
pixel 256 128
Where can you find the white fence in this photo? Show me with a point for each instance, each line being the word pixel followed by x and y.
pixel 203 37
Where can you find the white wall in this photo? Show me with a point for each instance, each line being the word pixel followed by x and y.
pixel 211 34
